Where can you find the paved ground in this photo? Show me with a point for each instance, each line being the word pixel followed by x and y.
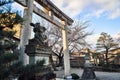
pixel 100 75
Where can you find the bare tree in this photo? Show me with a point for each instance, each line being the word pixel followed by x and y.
pixel 76 39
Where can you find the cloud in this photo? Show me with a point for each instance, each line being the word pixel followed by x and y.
pixel 97 8
pixel 92 39
pixel 71 7
pixel 109 7
pixel 116 36
pixel 115 14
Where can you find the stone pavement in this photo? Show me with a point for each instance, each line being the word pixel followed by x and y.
pixel 99 75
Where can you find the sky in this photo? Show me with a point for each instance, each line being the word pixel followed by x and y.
pixel 104 15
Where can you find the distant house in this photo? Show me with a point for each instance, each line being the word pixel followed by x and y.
pixel 113 56
pixel 77 58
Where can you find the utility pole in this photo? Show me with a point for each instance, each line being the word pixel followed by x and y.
pixel 26 31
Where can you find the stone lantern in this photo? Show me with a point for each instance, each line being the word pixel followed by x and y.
pixel 88 73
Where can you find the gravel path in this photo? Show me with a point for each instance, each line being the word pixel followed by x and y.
pixel 99 75
pixel 108 75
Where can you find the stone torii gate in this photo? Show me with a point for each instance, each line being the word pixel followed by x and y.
pixel 49 11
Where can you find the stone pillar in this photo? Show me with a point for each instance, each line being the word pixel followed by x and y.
pixel 65 51
pixel 26 31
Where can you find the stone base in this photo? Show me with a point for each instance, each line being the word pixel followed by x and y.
pixel 88 74
pixel 69 77
pixel 37 53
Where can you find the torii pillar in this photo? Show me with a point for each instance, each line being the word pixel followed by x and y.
pixel 26 31
pixel 65 45
pixel 65 50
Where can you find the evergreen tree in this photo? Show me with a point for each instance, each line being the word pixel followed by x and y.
pixel 9 62
pixel 106 42
pixel 8 45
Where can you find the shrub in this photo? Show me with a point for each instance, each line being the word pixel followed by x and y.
pixel 75 76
